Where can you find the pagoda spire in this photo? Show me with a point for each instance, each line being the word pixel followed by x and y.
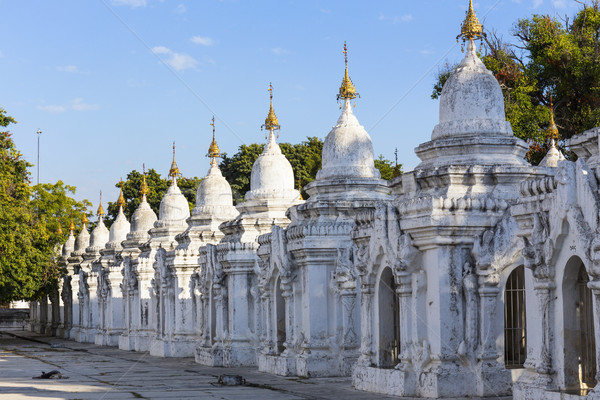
pixel 213 150
pixel 174 171
pixel 471 29
pixel 347 90
pixel 100 211
pixel 121 203
pixel 144 190
pixel 271 122
pixel 552 130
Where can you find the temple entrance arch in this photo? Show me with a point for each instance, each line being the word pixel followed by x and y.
pixel 388 350
pixel 515 325
pixel 279 316
pixel 579 336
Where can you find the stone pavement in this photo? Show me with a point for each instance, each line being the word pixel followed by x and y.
pixel 97 372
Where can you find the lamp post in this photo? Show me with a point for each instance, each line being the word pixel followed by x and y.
pixel 37 192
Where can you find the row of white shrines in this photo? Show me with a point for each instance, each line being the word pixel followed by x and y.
pixel 476 274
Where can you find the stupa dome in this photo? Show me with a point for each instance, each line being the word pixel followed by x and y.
pixel 69 245
pixel 174 206
pixel 348 149
pixel 143 218
pixel 99 235
pixel 119 229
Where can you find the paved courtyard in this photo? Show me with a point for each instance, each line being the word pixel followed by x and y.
pixel 97 372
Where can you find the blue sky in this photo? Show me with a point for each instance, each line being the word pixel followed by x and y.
pixel 112 83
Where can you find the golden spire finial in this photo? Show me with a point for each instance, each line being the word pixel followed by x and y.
pixel 144 191
pixel 213 150
pixel 271 122
pixel 552 130
pixel 471 29
pixel 300 187
pixel 174 171
pixel 121 200
pixel 100 211
pixel 347 90
pixel 59 231
pixel 84 219
pixel 72 224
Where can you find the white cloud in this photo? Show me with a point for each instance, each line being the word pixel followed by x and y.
pixel 54 109
pixel 161 50
pixel 180 9
pixel 279 51
pixel 397 18
pixel 179 61
pixel 537 3
pixel 130 3
pixel 560 3
pixel 426 52
pixel 203 40
pixel 68 68
pixel 403 18
pixel 76 105
pixel 79 105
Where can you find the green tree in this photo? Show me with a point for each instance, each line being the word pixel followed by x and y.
pixel 26 245
pixel 549 59
pixel 57 207
pixel 387 168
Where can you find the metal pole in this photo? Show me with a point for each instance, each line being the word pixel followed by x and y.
pixel 37 192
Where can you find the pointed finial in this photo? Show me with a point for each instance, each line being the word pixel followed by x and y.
pixel 213 150
pixel 300 187
pixel 59 231
pixel 144 191
pixel 471 29
pixel 347 90
pixel 271 122
pixel 121 200
pixel 84 219
pixel 552 131
pixel 100 211
pixel 72 224
pixel 174 171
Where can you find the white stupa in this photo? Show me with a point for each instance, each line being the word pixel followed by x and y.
pixel 120 227
pixel 143 218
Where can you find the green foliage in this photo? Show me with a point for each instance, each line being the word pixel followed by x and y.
pixel 55 205
pixel 304 157
pixel 28 244
pixel 157 186
pixel 387 168
pixel 550 59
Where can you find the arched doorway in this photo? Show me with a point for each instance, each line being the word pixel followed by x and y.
pixel 515 325
pixel 389 326
pixel 279 317
pixel 578 318
pixel 587 342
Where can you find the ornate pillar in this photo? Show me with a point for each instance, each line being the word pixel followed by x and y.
pixel 404 293
pixel 544 291
pixel 286 293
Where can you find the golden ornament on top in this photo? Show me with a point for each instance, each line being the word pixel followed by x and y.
pixel 271 122
pixel 471 29
pixel 347 89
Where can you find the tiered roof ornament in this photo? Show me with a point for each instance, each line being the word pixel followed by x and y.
pixel 174 171
pixel 121 203
pixel 144 190
pixel 471 29
pixel 84 221
pixel 271 122
pixel 213 150
pixel 347 90
pixel 71 225
pixel 552 130
pixel 100 211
